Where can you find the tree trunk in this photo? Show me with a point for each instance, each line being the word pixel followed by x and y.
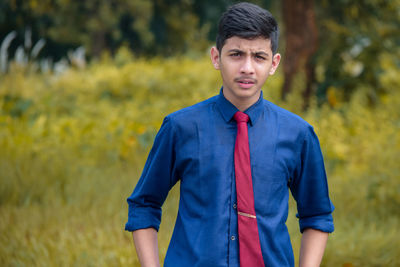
pixel 98 43
pixel 301 38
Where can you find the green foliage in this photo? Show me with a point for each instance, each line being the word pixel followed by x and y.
pixel 148 27
pixel 94 24
pixel 72 147
pixel 354 37
pixel 159 27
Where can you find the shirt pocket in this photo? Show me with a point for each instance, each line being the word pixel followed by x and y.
pixel 270 186
pixel 269 173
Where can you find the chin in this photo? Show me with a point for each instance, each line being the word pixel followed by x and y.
pixel 246 93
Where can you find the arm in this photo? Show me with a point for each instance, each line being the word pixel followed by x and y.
pixel 312 248
pixel 158 177
pixel 310 189
pixel 146 247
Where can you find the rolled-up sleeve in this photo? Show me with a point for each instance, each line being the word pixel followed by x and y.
pixel 157 178
pixel 309 187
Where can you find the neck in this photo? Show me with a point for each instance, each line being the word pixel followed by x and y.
pixel 243 106
pixel 241 103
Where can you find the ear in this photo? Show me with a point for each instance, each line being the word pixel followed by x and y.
pixel 275 63
pixel 214 55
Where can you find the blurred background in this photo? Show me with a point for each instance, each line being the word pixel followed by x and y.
pixel 84 86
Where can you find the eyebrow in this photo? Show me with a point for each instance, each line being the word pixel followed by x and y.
pixel 253 53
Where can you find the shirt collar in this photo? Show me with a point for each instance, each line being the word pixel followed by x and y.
pixel 228 109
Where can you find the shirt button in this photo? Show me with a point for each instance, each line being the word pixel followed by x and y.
pixel 234 206
pixel 233 238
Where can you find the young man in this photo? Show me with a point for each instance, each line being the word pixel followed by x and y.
pixel 236 155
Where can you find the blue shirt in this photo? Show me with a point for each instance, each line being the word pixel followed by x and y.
pixel 196 146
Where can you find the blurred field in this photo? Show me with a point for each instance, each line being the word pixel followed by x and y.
pixel 72 147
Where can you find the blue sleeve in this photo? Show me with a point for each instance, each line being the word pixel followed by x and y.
pixel 309 187
pixel 157 178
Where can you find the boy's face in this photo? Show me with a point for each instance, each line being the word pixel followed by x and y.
pixel 245 66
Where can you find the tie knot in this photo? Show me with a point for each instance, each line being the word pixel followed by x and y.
pixel 241 117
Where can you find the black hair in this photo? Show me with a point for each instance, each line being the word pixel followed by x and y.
pixel 248 21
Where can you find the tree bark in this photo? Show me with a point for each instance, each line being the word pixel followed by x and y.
pixel 301 38
pixel 98 43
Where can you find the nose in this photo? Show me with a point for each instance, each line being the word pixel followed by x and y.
pixel 247 66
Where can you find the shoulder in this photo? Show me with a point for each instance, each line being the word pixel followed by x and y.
pixel 286 118
pixel 192 113
pixel 185 123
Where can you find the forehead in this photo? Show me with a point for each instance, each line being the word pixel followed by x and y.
pixel 258 44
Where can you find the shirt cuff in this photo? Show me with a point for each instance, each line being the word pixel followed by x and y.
pixel 141 218
pixel 322 222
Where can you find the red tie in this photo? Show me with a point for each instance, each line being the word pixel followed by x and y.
pixel 249 241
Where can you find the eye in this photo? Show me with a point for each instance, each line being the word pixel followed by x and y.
pixel 235 54
pixel 259 57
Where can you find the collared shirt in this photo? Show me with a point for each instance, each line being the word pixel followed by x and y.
pixel 196 146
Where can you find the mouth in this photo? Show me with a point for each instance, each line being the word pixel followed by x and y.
pixel 245 82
